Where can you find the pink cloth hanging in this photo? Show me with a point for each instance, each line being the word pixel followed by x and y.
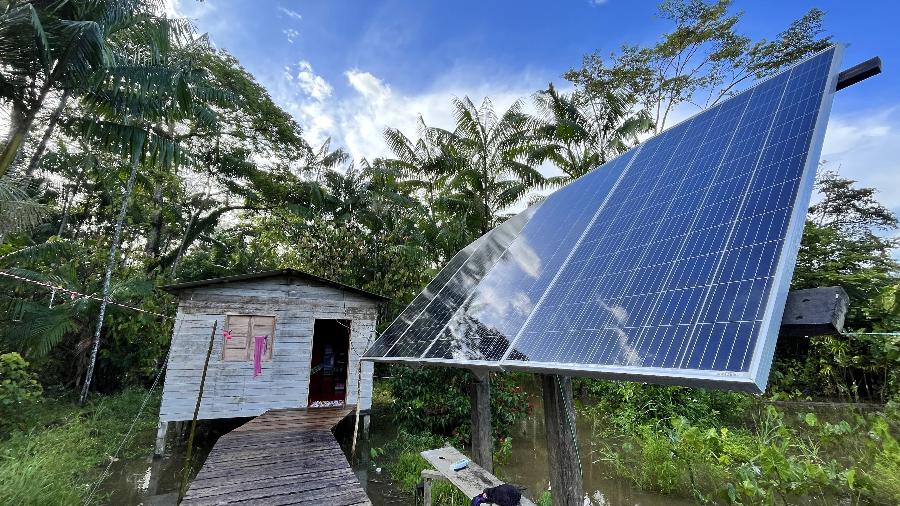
pixel 259 348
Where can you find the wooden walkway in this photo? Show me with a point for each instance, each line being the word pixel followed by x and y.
pixel 285 456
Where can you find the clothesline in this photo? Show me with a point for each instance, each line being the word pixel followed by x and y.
pixel 75 294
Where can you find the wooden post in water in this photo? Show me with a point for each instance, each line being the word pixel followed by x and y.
pixel 482 440
pixel 562 452
pixel 190 445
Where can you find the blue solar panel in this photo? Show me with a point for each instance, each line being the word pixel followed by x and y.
pixel 670 263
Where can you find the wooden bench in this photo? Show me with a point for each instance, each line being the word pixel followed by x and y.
pixel 471 481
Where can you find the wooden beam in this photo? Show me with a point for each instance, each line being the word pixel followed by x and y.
pixel 482 440
pixel 562 452
pixel 814 312
pixel 859 72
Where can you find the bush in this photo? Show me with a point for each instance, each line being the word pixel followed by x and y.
pixel 406 465
pixel 19 390
pixel 882 478
pixel 635 404
pixel 764 461
pixel 436 401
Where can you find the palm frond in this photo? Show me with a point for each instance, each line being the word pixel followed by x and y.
pixel 18 210
pixel 43 251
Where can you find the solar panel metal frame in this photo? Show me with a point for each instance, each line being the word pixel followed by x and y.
pixel 755 378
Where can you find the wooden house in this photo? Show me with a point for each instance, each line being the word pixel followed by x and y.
pixel 311 334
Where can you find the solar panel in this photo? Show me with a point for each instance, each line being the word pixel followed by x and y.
pixel 669 264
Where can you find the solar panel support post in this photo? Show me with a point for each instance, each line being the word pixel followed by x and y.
pixel 480 398
pixel 562 451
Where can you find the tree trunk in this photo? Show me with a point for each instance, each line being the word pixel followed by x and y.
pixel 183 244
pixel 48 132
pixel 110 263
pixel 18 132
pixel 67 205
pixel 15 138
pixel 156 222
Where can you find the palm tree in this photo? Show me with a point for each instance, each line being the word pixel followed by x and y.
pixel 583 130
pixel 420 162
pixel 155 83
pixel 37 324
pixel 316 162
pixel 486 157
pixel 49 47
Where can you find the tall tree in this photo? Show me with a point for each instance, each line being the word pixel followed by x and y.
pixel 156 83
pixel 49 47
pixel 843 244
pixel 487 160
pixel 701 61
pixel 580 131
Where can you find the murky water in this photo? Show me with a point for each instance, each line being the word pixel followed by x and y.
pixel 528 465
pixel 151 481
pixel 156 482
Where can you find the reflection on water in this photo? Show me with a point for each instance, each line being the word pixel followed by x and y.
pixel 155 482
pixel 528 464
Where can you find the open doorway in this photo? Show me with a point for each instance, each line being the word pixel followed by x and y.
pixel 330 357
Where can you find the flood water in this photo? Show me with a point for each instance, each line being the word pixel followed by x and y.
pixel 148 481
pixel 527 465
pixel 151 481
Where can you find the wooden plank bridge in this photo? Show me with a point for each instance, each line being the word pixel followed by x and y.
pixel 285 456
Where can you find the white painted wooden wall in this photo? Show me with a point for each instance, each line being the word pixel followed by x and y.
pixel 230 390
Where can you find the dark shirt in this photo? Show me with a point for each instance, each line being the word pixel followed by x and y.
pixel 501 495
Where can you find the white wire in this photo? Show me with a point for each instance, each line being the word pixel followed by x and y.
pixel 79 294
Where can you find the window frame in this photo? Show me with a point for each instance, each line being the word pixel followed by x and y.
pixel 248 354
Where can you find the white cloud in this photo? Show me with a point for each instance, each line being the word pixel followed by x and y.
pixel 375 105
pixel 305 95
pixel 311 83
pixel 291 34
pixel 865 146
pixel 290 13
pixel 190 9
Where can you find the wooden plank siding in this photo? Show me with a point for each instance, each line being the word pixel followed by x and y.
pixel 230 390
pixel 281 457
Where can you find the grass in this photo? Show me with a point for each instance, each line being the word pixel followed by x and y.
pixel 404 466
pixel 57 459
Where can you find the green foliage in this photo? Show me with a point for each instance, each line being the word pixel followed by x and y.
pixel 57 459
pixel 841 246
pixel 436 401
pixel 702 60
pixel 546 499
pixel 406 465
pixel 630 405
pixel 882 479
pixel 19 390
pixel 727 448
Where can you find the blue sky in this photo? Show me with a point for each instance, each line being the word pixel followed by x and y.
pixel 346 69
